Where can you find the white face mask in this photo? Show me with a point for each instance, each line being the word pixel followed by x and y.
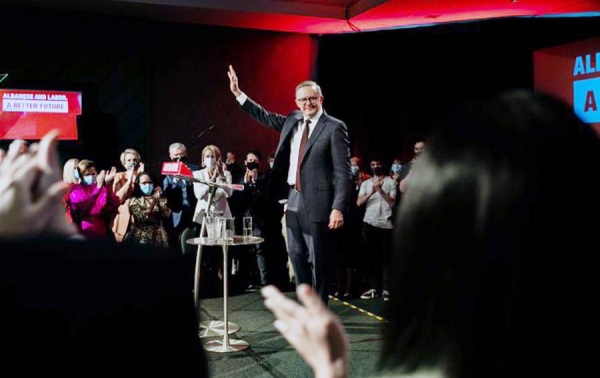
pixel 209 162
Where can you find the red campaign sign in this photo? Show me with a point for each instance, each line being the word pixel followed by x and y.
pixel 176 168
pixel 30 114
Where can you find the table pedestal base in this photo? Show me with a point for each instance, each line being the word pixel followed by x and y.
pixel 234 345
pixel 212 328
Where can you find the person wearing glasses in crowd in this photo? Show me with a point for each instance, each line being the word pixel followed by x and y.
pixel 312 170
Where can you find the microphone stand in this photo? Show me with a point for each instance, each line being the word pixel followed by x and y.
pixel 200 136
pixel 211 196
pixel 213 186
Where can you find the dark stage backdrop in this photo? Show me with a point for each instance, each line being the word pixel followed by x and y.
pixel 101 56
pixel 388 86
pixel 147 84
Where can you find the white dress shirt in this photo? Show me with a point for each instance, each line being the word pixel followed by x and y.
pixel 296 138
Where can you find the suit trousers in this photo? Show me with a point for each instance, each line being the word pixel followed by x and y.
pixel 311 246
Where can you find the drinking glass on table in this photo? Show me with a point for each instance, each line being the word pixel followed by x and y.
pixel 247 223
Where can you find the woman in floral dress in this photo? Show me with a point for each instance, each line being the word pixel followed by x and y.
pixel 148 210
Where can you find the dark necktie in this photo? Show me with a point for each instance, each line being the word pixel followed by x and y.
pixel 301 152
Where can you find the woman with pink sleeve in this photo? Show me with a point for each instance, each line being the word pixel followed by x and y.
pixel 92 201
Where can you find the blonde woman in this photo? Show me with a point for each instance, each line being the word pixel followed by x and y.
pixel 213 170
pixel 123 188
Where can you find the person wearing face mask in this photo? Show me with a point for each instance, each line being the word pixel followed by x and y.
pixel 347 259
pixel 395 170
pixel 92 203
pixel 378 195
pixel 358 175
pixel 123 188
pixel 213 170
pixel 148 209
pixel 266 213
pixel 182 202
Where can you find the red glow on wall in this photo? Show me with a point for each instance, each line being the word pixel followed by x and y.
pixel 397 14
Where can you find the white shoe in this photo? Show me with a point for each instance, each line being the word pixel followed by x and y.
pixel 370 294
pixel 386 295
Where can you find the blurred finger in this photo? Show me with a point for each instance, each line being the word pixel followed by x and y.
pixel 25 174
pixel 308 297
pixel 281 306
pixel 50 197
pixel 47 151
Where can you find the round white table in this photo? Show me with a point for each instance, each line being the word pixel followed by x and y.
pixel 218 328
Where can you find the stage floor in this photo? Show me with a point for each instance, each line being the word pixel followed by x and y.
pixel 269 354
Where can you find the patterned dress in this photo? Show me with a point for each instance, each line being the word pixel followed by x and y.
pixel 148 214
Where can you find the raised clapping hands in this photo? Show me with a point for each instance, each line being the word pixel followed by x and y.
pixel 157 192
pixel 31 192
pixel 377 183
pixel 312 329
pixel 110 175
pixel 100 178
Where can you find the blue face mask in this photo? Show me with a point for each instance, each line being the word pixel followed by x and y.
pixel 354 169
pixel 396 168
pixel 76 174
pixel 147 189
pixel 271 164
pixel 89 179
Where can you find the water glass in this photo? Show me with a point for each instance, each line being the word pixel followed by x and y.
pixel 247 228
pixel 228 229
pixel 213 228
pixel 221 230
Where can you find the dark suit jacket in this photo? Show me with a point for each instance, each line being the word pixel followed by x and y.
pixel 180 197
pixel 325 169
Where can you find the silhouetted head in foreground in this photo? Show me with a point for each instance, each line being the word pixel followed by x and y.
pixel 494 244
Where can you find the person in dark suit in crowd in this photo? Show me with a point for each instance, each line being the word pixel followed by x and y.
pixel 405 170
pixel 73 307
pixel 493 266
pixel 182 202
pixel 266 213
pixel 237 171
pixel 311 170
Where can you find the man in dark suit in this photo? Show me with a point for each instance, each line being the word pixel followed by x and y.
pixel 311 170
pixel 182 202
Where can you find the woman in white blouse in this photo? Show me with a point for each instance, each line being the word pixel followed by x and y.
pixel 213 170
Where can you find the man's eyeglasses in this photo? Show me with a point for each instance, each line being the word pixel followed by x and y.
pixel 312 99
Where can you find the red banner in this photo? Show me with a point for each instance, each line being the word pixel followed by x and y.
pixel 30 114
